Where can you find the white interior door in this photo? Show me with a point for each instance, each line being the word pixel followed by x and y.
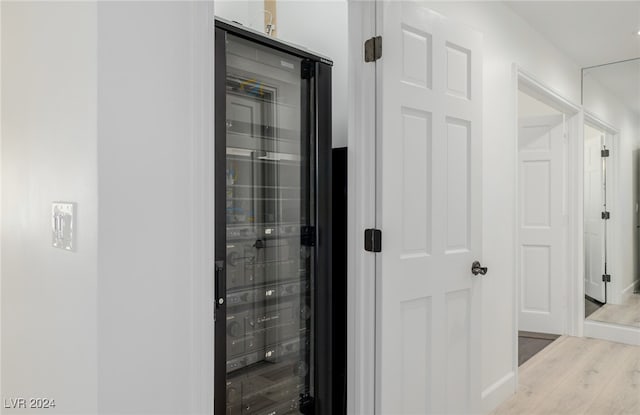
pixel 429 183
pixel 594 232
pixel 543 224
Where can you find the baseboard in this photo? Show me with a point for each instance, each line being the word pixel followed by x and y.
pixel 612 332
pixel 499 392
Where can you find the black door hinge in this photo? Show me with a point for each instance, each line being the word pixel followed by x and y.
pixel 308 236
pixel 373 49
pixel 604 153
pixel 373 240
pixel 307 404
pixel 606 215
pixel 308 69
pixel 606 278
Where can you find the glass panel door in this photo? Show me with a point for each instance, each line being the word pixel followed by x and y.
pixel 268 208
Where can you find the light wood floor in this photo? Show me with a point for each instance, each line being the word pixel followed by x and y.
pixel 627 314
pixel 575 376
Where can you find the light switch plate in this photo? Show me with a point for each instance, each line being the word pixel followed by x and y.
pixel 63 225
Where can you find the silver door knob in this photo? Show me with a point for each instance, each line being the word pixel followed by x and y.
pixel 478 269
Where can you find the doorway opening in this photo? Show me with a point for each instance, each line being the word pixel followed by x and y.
pixel 547 130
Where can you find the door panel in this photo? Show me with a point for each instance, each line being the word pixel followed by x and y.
pixel 458 190
pixel 429 100
pixel 458 343
pixel 542 253
pixel 536 209
pixel 416 140
pixel 416 362
pixel 536 277
pixel 457 70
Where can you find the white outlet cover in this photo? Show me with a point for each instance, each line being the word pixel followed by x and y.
pixel 63 225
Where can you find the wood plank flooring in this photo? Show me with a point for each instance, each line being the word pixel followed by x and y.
pixel 627 314
pixel 578 376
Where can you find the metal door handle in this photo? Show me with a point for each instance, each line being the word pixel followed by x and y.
pixel 219 275
pixel 478 269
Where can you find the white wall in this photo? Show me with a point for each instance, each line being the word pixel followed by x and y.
pixel 318 25
pixel 151 100
pixel 49 334
pixel 249 13
pixel 108 105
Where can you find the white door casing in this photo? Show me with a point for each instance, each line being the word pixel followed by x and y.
pixel 542 224
pixel 430 213
pixel 594 235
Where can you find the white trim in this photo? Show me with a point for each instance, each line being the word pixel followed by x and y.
pixel 498 392
pixel 612 332
pixel 537 89
pixel 202 214
pixel 614 253
pixel 596 122
pixel 378 11
pixel 361 305
pixel 516 234
pixel 575 241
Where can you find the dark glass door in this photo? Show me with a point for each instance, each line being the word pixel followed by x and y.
pixel 269 214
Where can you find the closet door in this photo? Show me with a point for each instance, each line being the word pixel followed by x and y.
pixel 430 213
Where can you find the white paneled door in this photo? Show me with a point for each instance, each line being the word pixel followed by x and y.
pixel 430 213
pixel 542 224
pixel 594 226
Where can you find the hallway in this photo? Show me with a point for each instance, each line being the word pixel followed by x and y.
pixel 578 376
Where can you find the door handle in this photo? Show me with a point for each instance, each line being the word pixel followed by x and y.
pixel 219 295
pixel 478 269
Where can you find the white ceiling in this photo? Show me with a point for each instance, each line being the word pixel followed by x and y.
pixel 593 33
pixel 590 32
